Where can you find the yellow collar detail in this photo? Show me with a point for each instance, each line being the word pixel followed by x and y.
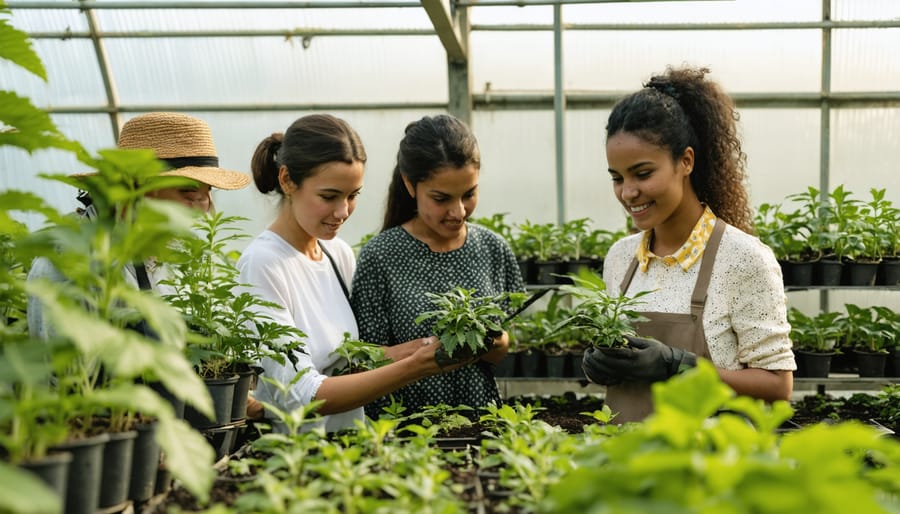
pixel 689 253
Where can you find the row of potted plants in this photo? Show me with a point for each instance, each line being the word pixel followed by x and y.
pixel 834 238
pixel 547 252
pixel 870 334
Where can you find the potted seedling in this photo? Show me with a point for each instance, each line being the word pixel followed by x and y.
pixel 231 332
pixel 542 244
pixel 604 319
pixel 467 324
pixel 815 340
pixel 779 232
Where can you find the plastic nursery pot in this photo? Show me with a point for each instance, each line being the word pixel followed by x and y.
pixel 144 464
pixel 222 392
pixel 507 366
pixel 116 474
pixel 889 272
pixel 85 471
pixel 556 365
pixel 862 273
pixel 871 364
pixel 814 364
pixel 546 271
pixel 829 272
pixel 526 266
pixel 801 273
pixel 241 392
pixel 531 364
pixel 52 469
pixel 222 438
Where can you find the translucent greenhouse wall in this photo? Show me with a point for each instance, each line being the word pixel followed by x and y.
pixel 407 76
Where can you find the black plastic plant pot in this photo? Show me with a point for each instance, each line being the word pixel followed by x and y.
pixel 85 472
pixel 531 364
pixel 241 392
pixel 546 271
pixel 52 469
pixel 802 273
pixel 862 273
pixel 507 366
pixel 556 365
pixel 526 266
pixel 871 364
pixel 814 364
pixel 574 365
pixel 116 474
pixel 222 392
pixel 829 272
pixel 889 272
pixel 144 464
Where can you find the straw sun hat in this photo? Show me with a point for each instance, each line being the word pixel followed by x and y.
pixel 185 143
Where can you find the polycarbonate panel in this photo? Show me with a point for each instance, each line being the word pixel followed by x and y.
pixel 517 165
pixel 589 192
pixel 511 61
pixel 19 170
pixel 262 19
pixel 530 15
pixel 782 147
pixel 274 71
pixel 236 136
pixel 743 61
pixel 49 20
pixel 865 60
pixel 864 151
pixel 865 10
pixel 736 11
pixel 72 72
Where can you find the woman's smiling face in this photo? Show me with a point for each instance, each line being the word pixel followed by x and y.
pixel 647 181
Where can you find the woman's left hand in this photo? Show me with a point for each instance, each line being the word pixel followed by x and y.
pixel 499 350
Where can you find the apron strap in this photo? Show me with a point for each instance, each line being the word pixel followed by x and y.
pixel 629 274
pixel 698 297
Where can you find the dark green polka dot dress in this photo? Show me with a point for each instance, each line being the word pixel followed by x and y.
pixel 393 273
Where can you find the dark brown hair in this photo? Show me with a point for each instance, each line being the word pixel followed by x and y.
pixel 309 142
pixel 431 143
pixel 681 109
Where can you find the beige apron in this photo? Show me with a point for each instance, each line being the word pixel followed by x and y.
pixel 633 400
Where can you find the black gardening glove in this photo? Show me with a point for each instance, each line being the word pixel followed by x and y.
pixel 643 360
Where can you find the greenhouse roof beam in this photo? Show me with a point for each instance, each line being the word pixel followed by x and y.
pixel 526 3
pixel 446 24
pixel 529 101
pixel 542 27
pixel 287 4
pixel 285 33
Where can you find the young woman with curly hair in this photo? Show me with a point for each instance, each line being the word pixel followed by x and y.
pixel 677 168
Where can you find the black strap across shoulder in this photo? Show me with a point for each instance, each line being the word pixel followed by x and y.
pixel 336 271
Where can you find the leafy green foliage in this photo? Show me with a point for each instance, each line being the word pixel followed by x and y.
pixel 706 450
pixel 602 318
pixel 819 333
pixel 464 320
pixel 16 47
pixel 358 356
pixel 232 321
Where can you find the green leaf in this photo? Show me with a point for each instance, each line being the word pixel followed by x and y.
pixel 25 493
pixel 16 47
pixel 188 456
pixel 32 128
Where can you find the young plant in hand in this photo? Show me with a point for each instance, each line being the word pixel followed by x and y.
pixel 605 321
pixel 467 323
pixel 358 356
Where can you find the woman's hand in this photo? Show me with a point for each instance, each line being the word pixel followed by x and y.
pixel 404 350
pixel 499 350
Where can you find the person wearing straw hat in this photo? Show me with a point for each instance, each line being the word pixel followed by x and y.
pixel 316 168
pixel 185 143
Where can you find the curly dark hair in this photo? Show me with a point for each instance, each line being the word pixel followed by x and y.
pixel 681 108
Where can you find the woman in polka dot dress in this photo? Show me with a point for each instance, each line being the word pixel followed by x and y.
pixel 678 170
pixel 426 245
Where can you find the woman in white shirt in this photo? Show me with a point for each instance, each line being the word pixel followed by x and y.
pixel 317 168
pixel 678 170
